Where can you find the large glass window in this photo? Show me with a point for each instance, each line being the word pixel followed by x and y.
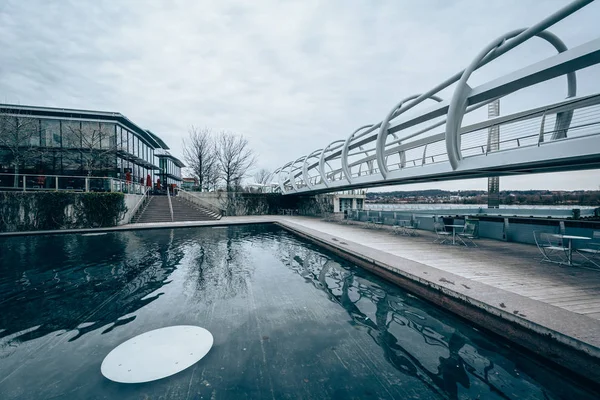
pixel 51 132
pixel 130 140
pixel 71 134
pixel 107 136
pixel 90 135
pixel 121 143
pixel 28 131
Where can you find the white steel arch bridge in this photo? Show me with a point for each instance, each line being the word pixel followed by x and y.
pixel 433 145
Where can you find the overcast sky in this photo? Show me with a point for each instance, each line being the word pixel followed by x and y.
pixel 291 76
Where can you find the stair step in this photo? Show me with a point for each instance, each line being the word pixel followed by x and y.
pixel 157 210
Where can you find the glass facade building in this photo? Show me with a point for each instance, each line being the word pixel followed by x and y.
pixel 54 141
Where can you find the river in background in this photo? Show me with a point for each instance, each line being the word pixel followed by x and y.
pixel 437 206
pixel 564 211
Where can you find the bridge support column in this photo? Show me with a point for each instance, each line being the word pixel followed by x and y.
pixel 494 145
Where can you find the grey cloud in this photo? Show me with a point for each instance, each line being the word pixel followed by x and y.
pixel 291 76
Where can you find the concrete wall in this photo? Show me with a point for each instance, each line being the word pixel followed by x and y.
pixel 131 200
pixel 216 199
pixel 242 203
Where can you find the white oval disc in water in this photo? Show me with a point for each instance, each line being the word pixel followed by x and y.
pixel 157 354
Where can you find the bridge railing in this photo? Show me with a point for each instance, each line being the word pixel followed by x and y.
pixel 519 130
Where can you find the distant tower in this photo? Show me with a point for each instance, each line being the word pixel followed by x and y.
pixel 494 145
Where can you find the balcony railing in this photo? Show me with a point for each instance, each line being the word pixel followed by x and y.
pixel 41 182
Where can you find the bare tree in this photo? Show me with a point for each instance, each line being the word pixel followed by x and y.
pixel 212 171
pixel 262 177
pixel 20 141
pixel 93 145
pixel 200 155
pixel 234 158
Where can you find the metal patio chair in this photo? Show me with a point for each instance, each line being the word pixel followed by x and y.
pixel 411 229
pixel 591 254
pixel 442 236
pixel 468 234
pixel 551 247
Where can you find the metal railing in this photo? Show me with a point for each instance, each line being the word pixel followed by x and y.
pixel 43 182
pixel 139 204
pixel 533 128
pixel 170 203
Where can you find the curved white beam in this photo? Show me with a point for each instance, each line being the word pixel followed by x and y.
pixel 345 167
pixel 458 104
pixel 305 168
pixel 383 133
pixel 322 161
pixel 292 178
pixel 282 182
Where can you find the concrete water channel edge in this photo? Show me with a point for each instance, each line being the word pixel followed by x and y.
pixel 567 339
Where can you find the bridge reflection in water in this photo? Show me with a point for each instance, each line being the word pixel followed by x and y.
pixel 418 339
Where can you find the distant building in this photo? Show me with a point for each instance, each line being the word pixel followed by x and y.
pixel 57 141
pixel 189 183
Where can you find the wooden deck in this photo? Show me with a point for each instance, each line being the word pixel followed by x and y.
pixel 513 267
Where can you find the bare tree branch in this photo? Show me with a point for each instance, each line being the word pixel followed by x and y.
pixel 200 155
pixel 234 158
pixel 262 177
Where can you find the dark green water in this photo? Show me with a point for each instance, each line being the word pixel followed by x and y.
pixel 289 321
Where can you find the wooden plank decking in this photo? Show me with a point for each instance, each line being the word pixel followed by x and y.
pixel 513 267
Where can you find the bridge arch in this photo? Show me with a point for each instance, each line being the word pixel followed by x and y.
pixel 322 160
pixel 305 167
pixel 345 150
pixel 458 104
pixel 292 173
pixel 383 133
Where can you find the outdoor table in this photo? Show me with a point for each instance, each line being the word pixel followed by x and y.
pixel 454 231
pixel 570 239
pixel 401 227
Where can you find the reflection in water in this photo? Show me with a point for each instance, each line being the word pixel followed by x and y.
pixel 219 262
pixel 55 282
pixel 413 340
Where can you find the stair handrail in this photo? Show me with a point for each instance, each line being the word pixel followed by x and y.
pixel 145 196
pixel 170 204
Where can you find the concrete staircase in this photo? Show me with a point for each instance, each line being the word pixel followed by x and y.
pixel 157 210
